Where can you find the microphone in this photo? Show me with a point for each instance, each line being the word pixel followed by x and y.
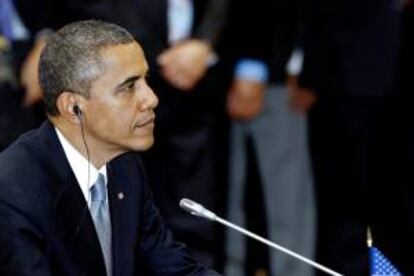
pixel 198 210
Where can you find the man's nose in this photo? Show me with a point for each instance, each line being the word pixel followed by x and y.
pixel 147 98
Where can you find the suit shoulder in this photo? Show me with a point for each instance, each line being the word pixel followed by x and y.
pixel 19 154
pixel 19 168
pixel 24 147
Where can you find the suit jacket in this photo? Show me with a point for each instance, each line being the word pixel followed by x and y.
pixel 406 85
pixel 351 46
pixel 46 227
pixel 266 31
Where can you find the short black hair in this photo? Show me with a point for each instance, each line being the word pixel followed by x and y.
pixel 71 60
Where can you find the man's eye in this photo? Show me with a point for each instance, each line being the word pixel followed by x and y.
pixel 131 85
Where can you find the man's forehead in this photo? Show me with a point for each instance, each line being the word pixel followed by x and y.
pixel 132 46
pixel 120 62
pixel 123 53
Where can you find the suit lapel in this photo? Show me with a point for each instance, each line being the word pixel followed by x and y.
pixel 71 209
pixel 122 202
pixel 115 206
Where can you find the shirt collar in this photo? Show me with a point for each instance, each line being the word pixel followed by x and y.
pixel 81 167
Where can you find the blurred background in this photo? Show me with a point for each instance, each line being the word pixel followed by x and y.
pixel 292 118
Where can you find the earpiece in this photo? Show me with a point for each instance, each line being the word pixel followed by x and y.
pixel 77 111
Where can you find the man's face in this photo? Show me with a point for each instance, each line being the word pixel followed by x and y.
pixel 119 115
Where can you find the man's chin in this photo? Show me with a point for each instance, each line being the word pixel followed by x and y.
pixel 144 145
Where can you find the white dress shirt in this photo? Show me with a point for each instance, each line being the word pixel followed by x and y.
pixel 180 15
pixel 86 174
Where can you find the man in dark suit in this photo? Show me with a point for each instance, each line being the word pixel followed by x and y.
pixel 182 162
pixel 350 62
pixel 397 240
pixel 73 201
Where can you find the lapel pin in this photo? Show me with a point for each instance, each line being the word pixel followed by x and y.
pixel 120 195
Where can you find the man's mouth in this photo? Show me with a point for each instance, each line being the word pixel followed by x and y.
pixel 146 121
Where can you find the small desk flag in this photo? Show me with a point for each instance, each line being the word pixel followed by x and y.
pixel 379 264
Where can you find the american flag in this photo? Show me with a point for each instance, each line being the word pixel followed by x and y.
pixel 380 265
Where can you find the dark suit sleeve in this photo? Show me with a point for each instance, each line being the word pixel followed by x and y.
pixel 161 253
pixel 351 47
pixel 21 249
pixel 266 32
pixel 213 21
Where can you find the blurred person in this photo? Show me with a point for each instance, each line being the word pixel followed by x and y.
pixel 73 196
pixel 15 116
pixel 396 240
pixel 41 18
pixel 264 128
pixel 350 60
pixel 183 161
pixel 179 36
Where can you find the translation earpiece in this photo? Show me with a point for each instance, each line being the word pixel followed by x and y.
pixel 77 111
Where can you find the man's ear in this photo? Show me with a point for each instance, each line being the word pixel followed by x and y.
pixel 69 106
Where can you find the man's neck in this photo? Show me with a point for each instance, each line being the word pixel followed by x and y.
pixel 83 143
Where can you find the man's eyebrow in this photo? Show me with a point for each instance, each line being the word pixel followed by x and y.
pixel 129 80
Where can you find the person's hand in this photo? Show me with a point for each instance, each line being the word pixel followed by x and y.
pixel 29 75
pixel 245 99
pixel 300 99
pixel 185 63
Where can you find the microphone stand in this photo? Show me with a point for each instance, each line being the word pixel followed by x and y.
pixel 198 210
